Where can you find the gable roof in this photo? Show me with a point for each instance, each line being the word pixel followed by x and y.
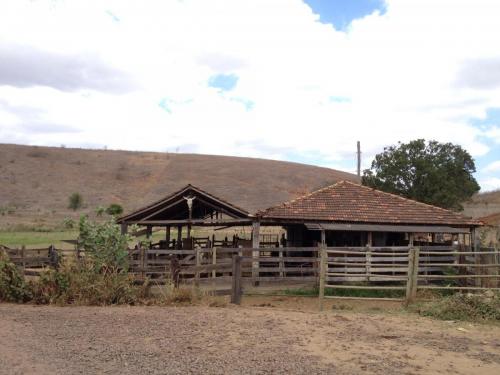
pixel 177 199
pixel 346 201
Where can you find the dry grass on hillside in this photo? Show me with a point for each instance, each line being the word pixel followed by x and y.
pixel 35 182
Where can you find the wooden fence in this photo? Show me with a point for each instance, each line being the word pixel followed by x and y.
pixel 408 269
pixel 404 269
pixel 32 259
pixel 264 265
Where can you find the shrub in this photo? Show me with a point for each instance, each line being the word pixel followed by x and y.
pixel 114 209
pixel 68 223
pixel 75 201
pixel 104 244
pixel 13 288
pixel 80 284
pixel 100 210
pixel 474 307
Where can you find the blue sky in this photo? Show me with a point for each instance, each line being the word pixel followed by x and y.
pixel 291 80
pixel 340 13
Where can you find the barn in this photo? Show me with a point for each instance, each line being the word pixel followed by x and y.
pixel 342 214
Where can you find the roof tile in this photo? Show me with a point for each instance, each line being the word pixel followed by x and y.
pixel 346 201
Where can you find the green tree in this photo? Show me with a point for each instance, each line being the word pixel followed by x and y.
pixel 75 201
pixel 114 209
pixel 431 172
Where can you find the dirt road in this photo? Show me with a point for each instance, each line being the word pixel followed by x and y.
pixel 237 340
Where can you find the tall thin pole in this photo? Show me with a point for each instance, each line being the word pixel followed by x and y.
pixel 359 158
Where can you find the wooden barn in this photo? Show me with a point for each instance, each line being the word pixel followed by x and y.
pixel 343 214
pixel 349 214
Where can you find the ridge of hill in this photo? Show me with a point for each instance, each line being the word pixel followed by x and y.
pixel 483 204
pixel 36 182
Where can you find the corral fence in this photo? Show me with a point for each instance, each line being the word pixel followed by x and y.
pixel 223 270
pixel 407 270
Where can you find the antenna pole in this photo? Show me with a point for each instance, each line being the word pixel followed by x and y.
pixel 359 159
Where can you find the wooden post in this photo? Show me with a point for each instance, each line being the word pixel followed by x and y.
pixel 124 228
pixel 214 261
pixel 323 267
pixel 198 264
pixel 281 263
pixel 369 239
pixel 214 271
pixel 412 275
pixel 255 251
pixel 179 236
pixel 496 260
pixel 143 261
pixel 236 280
pixel 477 257
pixel 149 232
pixel 409 275
pixel 414 283
pixel 23 256
pixel 368 262
pixel 167 236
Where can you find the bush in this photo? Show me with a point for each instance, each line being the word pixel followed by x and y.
pixel 100 210
pixel 114 209
pixel 13 288
pixel 104 244
pixel 473 307
pixel 79 284
pixel 75 201
pixel 68 223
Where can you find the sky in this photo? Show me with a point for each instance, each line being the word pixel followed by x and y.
pixel 281 79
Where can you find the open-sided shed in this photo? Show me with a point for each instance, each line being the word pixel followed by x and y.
pixel 188 207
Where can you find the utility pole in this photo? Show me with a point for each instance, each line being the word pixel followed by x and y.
pixel 359 159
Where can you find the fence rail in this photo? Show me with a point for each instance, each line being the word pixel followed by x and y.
pixel 408 269
pixel 405 269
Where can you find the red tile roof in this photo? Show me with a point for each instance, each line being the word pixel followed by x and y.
pixel 349 202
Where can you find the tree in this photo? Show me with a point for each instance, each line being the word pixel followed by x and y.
pixel 431 172
pixel 114 209
pixel 75 201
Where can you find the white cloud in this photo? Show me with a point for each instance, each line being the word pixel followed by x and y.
pixel 492 167
pixel 405 74
pixel 489 183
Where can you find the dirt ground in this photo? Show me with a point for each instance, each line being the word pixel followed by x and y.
pixel 265 335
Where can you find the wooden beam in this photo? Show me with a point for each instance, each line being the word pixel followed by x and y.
pixel 255 253
pixel 167 235
pixel 179 236
pixel 386 228
pixel 199 222
pixel 162 209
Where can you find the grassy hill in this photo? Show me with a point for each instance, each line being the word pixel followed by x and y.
pixel 483 204
pixel 36 182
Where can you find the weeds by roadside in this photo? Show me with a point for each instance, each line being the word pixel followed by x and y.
pixel 13 287
pixel 461 306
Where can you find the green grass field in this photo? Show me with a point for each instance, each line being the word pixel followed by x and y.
pixel 37 239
